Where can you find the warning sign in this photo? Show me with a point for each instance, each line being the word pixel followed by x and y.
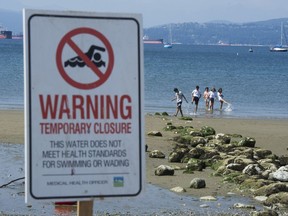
pixel 84 105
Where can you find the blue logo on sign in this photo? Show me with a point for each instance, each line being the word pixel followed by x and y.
pixel 118 181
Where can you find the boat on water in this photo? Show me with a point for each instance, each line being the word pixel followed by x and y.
pixel 5 34
pixel 147 40
pixel 169 45
pixel 280 48
pixel 250 50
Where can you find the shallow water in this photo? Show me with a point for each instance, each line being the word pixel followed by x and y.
pixel 153 200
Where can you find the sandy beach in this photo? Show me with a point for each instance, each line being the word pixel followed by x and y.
pixel 269 134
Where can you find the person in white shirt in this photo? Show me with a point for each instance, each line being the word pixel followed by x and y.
pixel 196 95
pixel 221 98
pixel 178 97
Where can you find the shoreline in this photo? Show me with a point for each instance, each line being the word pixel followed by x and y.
pixel 269 134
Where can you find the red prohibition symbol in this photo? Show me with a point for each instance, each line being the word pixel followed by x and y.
pixel 85 58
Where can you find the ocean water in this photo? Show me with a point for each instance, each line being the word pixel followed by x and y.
pixel 256 84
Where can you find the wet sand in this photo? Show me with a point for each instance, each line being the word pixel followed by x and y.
pixel 269 134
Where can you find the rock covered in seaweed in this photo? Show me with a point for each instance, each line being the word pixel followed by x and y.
pixel 164 170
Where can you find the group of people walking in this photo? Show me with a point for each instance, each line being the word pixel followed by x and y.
pixel 208 95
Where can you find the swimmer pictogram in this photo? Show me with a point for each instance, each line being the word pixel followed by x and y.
pixel 93 54
pixel 99 70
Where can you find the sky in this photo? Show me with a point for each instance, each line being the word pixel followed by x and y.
pixel 158 12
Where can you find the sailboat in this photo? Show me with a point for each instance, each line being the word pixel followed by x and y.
pixel 279 48
pixel 169 45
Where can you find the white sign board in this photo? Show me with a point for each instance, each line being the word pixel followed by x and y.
pixel 83 105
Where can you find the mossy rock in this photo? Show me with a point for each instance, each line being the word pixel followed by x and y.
pixel 165 114
pixel 279 198
pixel 235 177
pixel 207 130
pixel 186 118
pixel 195 165
pixel 170 128
pixel 253 183
pixel 183 139
pixel 247 142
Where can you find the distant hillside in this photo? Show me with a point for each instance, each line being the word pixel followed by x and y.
pixel 255 33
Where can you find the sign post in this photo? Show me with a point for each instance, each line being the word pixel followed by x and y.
pixel 83 105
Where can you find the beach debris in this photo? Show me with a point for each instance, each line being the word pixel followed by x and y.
pixel 156 154
pixel 154 133
pixel 204 206
pixel 208 198
pixel 178 189
pixel 197 183
pixel 246 206
pixel 261 198
pixel 12 181
pixel 164 170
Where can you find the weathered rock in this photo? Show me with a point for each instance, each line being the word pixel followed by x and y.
pixel 164 170
pixel 254 183
pixel 225 139
pixel 261 153
pixel 183 139
pixel 236 167
pixel 196 152
pixel 267 190
pixel 156 154
pixel 195 165
pixel 281 174
pixel 244 161
pixel 165 114
pixel 247 142
pixel 264 213
pixel 170 127
pixel 176 156
pixel 206 130
pixel 196 133
pixel 253 169
pixel 278 198
pixel 283 160
pixel 155 133
pixel 197 183
pixel 209 153
pixel 178 189
pixel 197 140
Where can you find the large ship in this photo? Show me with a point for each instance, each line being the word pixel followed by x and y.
pixel 146 40
pixel 4 34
